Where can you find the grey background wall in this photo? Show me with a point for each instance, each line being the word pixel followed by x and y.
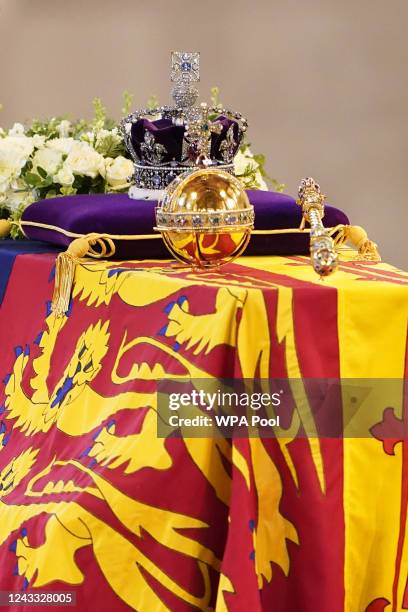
pixel 324 83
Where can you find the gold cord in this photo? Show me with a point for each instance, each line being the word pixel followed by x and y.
pixel 69 234
pixel 100 246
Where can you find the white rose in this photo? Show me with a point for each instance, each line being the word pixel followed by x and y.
pixel 14 153
pixel 14 199
pixel 4 182
pixel 118 171
pixel 242 161
pixel 84 160
pixel 63 128
pixel 17 146
pixel 17 130
pixel 62 145
pixel 47 159
pixel 38 141
pixel 64 176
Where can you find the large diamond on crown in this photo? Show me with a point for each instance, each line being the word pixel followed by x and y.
pixel 185 66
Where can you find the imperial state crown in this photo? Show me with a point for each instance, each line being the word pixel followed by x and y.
pixel 165 142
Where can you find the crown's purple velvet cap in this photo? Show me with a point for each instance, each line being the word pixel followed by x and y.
pixel 118 214
pixel 171 137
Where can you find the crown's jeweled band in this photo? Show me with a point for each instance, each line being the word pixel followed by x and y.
pixel 323 254
pixel 158 177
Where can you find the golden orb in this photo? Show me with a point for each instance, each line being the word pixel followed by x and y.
pixel 205 218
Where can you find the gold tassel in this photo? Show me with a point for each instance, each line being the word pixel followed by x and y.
pixel 367 249
pixel 64 274
pixel 5 227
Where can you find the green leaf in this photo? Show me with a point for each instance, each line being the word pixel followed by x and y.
pixel 33 179
pixel 4 212
pixel 215 96
pixel 152 102
pixel 279 187
pixel 100 114
pixel 127 103
pixel 68 190
pixel 41 172
pixel 15 232
pixel 78 181
pixel 260 158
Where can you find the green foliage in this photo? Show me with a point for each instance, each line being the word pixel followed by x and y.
pixel 277 186
pixel 68 190
pixel 152 102
pixel 15 232
pixel 215 96
pixel 78 128
pixel 4 212
pixel 109 144
pixel 47 127
pixel 99 114
pixel 261 161
pixel 127 103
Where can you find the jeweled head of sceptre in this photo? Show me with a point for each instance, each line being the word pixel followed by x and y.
pixel 323 254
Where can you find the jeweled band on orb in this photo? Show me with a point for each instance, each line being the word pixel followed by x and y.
pixel 209 221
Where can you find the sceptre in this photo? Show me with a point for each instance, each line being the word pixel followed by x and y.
pixel 323 254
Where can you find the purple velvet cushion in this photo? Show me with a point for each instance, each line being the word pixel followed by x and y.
pixel 118 214
pixel 280 211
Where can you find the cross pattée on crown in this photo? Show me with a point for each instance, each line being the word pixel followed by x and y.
pixel 185 71
pixel 199 132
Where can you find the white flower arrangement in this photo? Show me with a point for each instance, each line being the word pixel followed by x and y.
pixel 59 157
